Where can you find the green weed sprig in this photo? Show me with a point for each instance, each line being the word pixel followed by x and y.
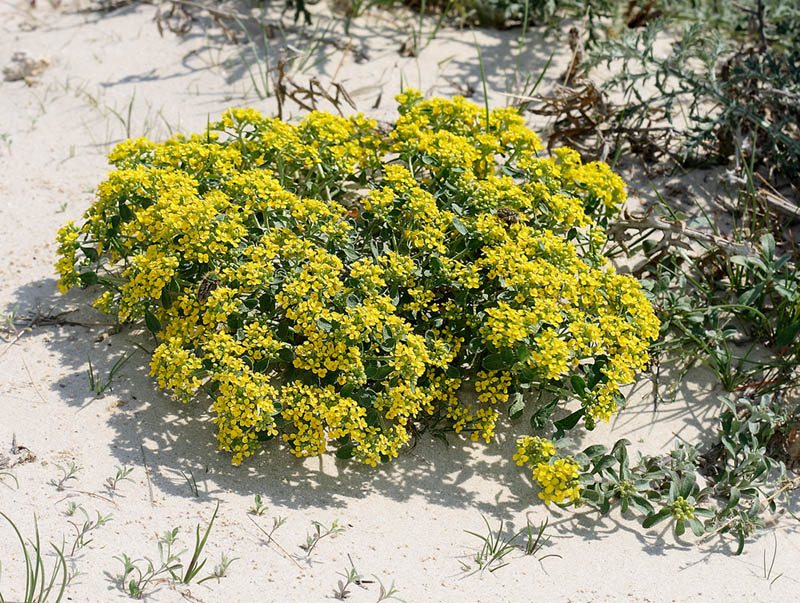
pixel 38 587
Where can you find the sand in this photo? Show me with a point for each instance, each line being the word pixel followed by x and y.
pixel 403 523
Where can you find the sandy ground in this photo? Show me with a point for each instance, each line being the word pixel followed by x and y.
pixel 404 522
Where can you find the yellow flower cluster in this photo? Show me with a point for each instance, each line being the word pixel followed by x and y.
pixel 532 450
pixel 557 477
pixel 558 480
pixel 328 284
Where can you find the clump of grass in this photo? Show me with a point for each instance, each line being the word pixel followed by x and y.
pixel 191 482
pixel 97 385
pixel 535 539
pixel 38 587
pixel 496 547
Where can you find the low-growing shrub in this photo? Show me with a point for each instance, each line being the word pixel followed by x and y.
pixel 327 282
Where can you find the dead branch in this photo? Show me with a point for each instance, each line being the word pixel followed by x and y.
pixel 675 234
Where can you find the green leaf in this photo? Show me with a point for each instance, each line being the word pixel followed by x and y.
pixel 786 335
pixel 90 252
pixel 641 504
pixel 656 518
pixel 540 417
pixel 152 322
pixel 125 212
pixel 88 279
pixel 372 417
pixel 597 374
pixel 526 375
pixel 570 421
pixel 286 354
pixel 578 384
pixel 603 463
pixel 459 226
pixel 453 372
pixel 493 362
pixel 595 450
pixel 345 452
pixel 382 372
pixel 687 485
pixel 680 527
pixel 350 253
pixel 352 301
pixel 517 406
pixel 768 246
pixel 592 496
pixel 166 298
pixel 266 303
pixel 696 526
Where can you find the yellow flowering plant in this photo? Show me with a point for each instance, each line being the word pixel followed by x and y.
pixel 329 283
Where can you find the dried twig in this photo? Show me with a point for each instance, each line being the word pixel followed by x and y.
pixel 275 542
pixel 147 474
pixel 788 486
pixel 676 234
pixel 33 383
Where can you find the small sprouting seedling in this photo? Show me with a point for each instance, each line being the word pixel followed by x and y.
pixel 768 570
pixel 81 531
pixel 192 482
pixel 351 576
pixel 220 570
pixel 73 573
pixel 38 588
pixel 72 506
pixel 277 522
pixel 67 474
pixel 96 384
pixel 495 547
pixel 134 580
pixel 9 320
pixel 259 508
pixel 122 474
pixel 195 565
pixel 386 594
pixel 320 532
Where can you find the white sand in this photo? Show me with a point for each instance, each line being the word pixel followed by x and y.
pixel 405 521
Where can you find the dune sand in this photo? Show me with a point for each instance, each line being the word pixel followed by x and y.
pixel 112 75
